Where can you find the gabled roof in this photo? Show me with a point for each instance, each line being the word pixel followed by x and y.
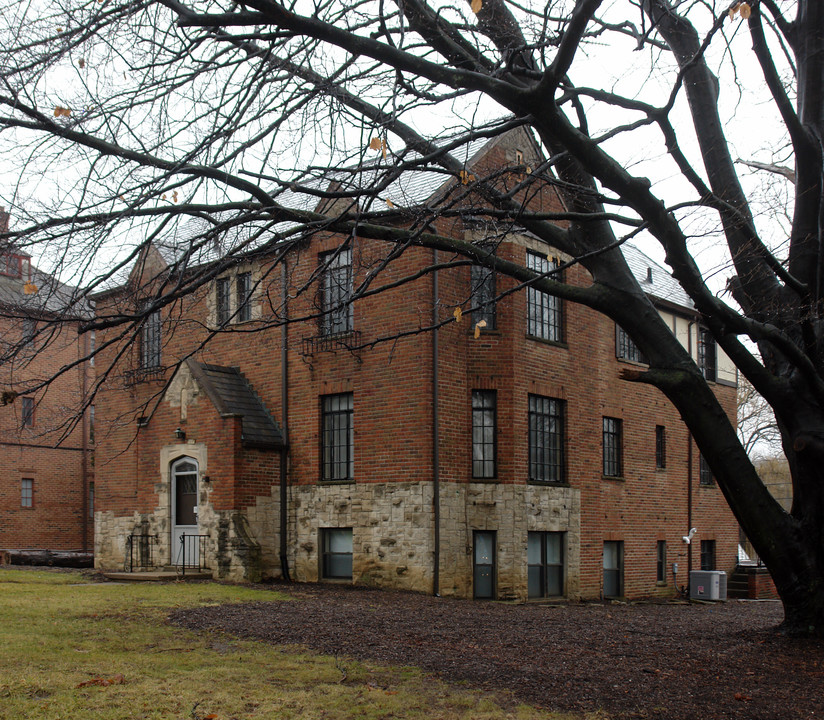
pixel 232 395
pixel 415 187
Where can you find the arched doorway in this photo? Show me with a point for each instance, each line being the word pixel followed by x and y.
pixel 184 477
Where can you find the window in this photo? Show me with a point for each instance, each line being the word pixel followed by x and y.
pixel 29 330
pixel 704 472
pixel 707 355
pixel 625 348
pixel 27 412
pixel 483 296
pixel 660 447
pixel 546 439
pixel 613 461
pixel 222 309
pixel 661 563
pixel 483 573
pixel 92 345
pixel 613 569
pixel 336 292
pixel 18 266
pixel 91 499
pixel 27 492
pixel 150 340
pixel 708 554
pixel 545 558
pixel 91 423
pixel 543 310
pixel 484 430
pixel 244 297
pixel 336 557
pixel 338 438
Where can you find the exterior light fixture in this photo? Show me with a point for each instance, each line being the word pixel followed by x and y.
pixel 180 434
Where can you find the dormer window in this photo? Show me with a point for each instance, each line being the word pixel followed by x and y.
pixel 16 266
pixel 233 307
pixel 707 355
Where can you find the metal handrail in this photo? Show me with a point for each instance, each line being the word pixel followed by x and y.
pixel 191 542
pixel 142 544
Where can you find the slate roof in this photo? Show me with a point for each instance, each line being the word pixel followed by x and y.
pixel 51 298
pixel 414 187
pixel 655 279
pixel 232 394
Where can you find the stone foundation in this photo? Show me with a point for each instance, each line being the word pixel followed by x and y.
pixel 392 533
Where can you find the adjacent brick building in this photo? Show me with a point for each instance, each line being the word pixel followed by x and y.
pixel 499 455
pixel 46 473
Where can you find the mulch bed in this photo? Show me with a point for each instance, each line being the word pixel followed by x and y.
pixel 669 660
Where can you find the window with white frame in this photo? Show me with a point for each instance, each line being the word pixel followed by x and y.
pixel 336 292
pixel 27 492
pixel 544 311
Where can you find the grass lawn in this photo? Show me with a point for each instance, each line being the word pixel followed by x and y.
pixel 71 649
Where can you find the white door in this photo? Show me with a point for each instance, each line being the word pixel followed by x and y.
pixel 184 476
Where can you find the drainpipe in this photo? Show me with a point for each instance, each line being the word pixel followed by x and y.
pixel 436 460
pixel 84 461
pixel 689 502
pixel 284 404
pixel 689 466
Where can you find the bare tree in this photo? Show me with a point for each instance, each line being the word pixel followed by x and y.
pixel 127 120
pixel 757 428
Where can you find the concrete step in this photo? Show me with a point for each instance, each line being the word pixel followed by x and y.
pixel 163 575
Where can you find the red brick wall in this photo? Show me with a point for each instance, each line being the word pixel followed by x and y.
pixel 391 382
pixel 51 452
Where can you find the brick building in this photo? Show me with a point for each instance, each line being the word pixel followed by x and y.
pixel 46 473
pixel 500 455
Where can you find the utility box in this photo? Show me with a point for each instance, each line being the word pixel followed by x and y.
pixel 708 585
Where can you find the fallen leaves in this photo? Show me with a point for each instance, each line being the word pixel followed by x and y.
pixel 103 682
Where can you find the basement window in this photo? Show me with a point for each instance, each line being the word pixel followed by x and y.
pixel 336 557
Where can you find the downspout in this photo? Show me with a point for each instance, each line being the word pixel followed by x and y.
pixel 284 404
pixel 689 503
pixel 84 461
pixel 436 460
pixel 689 467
